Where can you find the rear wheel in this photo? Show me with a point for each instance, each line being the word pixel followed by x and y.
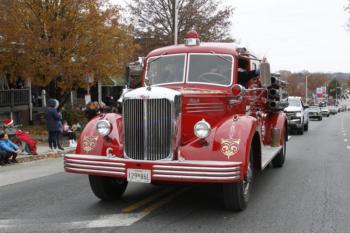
pixel 236 194
pixel 107 188
pixel 278 161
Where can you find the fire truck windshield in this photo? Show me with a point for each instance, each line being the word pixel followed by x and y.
pixel 166 69
pixel 210 68
pixel 202 68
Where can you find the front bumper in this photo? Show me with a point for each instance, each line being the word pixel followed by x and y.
pixel 295 123
pixel 315 115
pixel 172 171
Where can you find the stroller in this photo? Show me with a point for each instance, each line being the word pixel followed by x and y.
pixel 20 137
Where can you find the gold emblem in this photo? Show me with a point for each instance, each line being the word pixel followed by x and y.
pixel 89 142
pixel 229 147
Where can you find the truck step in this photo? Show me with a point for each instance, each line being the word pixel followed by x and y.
pixel 267 154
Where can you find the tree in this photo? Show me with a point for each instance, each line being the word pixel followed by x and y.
pixel 154 21
pixel 334 88
pixel 58 43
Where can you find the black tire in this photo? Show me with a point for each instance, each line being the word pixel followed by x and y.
pixel 301 130
pixel 306 127
pixel 320 119
pixel 278 161
pixel 107 188
pixel 236 194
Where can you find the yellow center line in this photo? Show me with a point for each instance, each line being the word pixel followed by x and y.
pixel 164 201
pixel 147 200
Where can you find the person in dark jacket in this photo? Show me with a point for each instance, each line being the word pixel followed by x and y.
pixel 53 122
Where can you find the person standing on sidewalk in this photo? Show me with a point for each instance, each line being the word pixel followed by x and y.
pixel 9 147
pixel 53 119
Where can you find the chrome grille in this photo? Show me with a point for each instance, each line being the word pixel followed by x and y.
pixel 147 128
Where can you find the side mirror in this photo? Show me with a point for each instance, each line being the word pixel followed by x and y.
pixel 265 74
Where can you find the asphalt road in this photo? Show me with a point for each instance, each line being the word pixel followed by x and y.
pixel 311 193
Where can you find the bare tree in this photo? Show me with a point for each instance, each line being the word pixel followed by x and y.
pixel 154 20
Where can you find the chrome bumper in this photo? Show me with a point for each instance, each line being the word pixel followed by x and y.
pixel 177 171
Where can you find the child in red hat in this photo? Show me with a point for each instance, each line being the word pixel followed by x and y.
pixel 30 143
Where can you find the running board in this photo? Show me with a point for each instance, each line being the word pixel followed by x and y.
pixel 267 154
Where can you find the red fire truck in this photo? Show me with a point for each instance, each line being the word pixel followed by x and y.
pixel 207 113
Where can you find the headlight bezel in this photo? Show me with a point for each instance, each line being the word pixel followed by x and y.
pixel 108 127
pixel 202 129
pixel 298 114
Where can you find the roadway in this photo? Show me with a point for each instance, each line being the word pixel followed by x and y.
pixel 309 194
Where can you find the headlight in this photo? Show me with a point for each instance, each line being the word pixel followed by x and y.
pixel 298 114
pixel 103 127
pixel 202 129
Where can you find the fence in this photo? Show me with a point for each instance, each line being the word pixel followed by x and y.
pixel 14 97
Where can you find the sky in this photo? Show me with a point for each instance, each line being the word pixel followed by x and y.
pixel 294 35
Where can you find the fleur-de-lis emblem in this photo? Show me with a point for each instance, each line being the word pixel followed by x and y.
pixel 89 143
pixel 229 147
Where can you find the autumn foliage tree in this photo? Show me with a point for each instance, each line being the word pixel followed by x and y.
pixel 154 21
pixel 59 42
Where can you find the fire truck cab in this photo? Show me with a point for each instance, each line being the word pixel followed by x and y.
pixel 207 113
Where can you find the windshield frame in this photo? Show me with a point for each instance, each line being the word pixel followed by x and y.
pixel 150 59
pixel 219 55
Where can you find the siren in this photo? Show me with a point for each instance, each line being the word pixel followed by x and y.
pixel 192 38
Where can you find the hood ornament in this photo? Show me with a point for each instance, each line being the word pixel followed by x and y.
pixel 148 84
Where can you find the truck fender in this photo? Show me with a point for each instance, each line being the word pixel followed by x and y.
pixel 239 130
pixel 279 120
pixel 91 142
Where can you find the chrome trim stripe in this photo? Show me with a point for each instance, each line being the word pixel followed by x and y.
pixel 77 161
pixel 196 168
pixel 164 164
pixel 71 165
pixel 204 104
pixel 185 173
pixel 95 171
pixel 197 177
pixel 207 110
pixel 205 107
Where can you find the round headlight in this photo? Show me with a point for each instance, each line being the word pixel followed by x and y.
pixel 103 127
pixel 202 129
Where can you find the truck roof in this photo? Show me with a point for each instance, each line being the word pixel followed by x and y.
pixel 204 47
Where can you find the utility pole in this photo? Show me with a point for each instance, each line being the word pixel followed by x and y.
pixel 306 98
pixel 176 9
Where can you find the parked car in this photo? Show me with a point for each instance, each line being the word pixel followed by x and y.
pixel 325 111
pixel 298 116
pixel 315 113
pixel 333 109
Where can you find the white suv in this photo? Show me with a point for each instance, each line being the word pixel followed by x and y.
pixel 298 115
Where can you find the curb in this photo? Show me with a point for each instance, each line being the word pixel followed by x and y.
pixel 48 155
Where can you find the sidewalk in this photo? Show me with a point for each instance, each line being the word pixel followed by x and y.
pixel 43 153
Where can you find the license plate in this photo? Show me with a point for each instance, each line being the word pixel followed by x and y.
pixel 139 175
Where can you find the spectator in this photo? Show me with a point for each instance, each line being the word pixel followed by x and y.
pixel 9 148
pixel 60 128
pixel 91 110
pixel 53 120
pixel 2 157
pixel 30 143
pixel 67 131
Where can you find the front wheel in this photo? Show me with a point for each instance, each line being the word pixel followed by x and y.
pixel 236 194
pixel 107 188
pixel 306 127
